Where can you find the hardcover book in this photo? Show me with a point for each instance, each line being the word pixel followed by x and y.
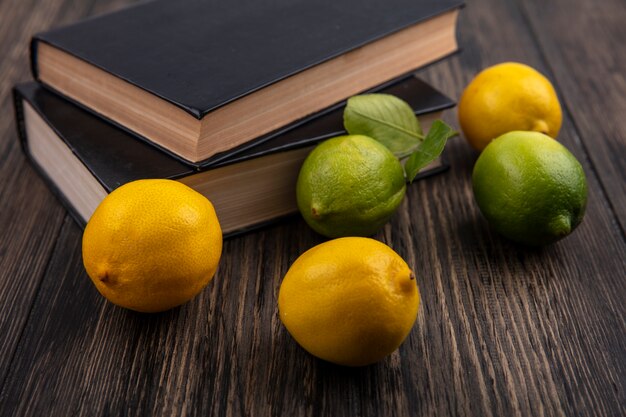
pixel 83 158
pixel 201 77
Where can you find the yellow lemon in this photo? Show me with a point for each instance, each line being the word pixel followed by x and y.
pixel 508 97
pixel 350 301
pixel 152 245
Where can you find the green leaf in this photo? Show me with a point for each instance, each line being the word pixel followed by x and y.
pixel 385 118
pixel 429 149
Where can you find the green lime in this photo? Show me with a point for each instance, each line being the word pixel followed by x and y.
pixel 349 186
pixel 530 188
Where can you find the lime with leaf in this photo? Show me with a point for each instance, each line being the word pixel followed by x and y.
pixel 351 185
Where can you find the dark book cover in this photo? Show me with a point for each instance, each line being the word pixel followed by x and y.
pixel 114 156
pixel 209 53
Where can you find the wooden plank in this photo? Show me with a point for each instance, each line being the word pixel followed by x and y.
pixel 583 373
pixel 584 46
pixel 30 217
pixel 30 222
pixel 117 361
pixel 503 330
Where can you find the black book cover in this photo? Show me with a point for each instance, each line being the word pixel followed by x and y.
pixel 115 157
pixel 210 53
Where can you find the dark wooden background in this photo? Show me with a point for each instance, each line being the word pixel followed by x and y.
pixel 503 330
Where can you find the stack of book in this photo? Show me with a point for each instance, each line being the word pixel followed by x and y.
pixel 227 98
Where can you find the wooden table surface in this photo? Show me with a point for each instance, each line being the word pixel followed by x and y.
pixel 503 330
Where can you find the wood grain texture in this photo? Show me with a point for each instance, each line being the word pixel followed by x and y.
pixel 584 48
pixel 503 330
pixel 30 217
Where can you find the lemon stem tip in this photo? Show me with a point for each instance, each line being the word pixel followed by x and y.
pixel 541 127
pixel 315 212
pixel 561 225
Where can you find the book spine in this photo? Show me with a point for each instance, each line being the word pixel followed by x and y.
pixel 19 120
pixel 23 138
pixel 34 42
